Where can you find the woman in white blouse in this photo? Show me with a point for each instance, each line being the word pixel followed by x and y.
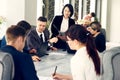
pixel 85 64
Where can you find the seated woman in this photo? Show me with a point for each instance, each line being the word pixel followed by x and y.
pixel 85 64
pixel 100 41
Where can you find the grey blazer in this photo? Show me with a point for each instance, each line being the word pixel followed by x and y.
pixel 33 41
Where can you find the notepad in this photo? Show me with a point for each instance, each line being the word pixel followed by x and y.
pixel 57 53
pixel 45 78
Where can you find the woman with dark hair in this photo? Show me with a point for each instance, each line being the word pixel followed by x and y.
pixel 60 24
pixel 85 64
pixel 99 38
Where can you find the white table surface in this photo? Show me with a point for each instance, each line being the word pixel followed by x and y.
pixel 57 58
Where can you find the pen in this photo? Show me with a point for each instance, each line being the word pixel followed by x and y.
pixel 55 71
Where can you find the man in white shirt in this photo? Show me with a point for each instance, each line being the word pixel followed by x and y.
pixel 39 45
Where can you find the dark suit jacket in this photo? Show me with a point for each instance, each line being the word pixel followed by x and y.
pixel 100 42
pixel 3 43
pixel 56 25
pixel 23 64
pixel 34 41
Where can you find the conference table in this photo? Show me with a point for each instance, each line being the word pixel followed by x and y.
pixel 46 67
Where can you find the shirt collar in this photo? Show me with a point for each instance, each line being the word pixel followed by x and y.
pixel 39 33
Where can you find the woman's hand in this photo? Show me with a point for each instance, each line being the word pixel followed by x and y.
pixel 58 76
pixel 62 77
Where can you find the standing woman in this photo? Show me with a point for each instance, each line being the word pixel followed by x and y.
pixel 85 64
pixel 61 24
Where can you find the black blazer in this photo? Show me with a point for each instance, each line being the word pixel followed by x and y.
pixel 100 42
pixel 33 41
pixel 56 25
pixel 23 64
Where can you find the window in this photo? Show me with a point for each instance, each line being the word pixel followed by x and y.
pixel 50 8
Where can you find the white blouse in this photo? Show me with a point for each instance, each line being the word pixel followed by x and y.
pixel 82 66
pixel 64 25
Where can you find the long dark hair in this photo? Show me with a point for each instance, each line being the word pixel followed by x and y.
pixel 80 33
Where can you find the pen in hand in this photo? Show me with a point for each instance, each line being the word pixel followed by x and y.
pixel 55 71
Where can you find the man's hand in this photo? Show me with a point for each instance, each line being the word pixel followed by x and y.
pixel 53 48
pixel 36 58
pixel 62 37
pixel 33 51
pixel 53 40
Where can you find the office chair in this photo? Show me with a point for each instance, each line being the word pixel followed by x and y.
pixel 6 66
pixel 111 64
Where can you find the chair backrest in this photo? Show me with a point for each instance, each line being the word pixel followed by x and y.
pixel 6 66
pixel 111 64
pixel 103 31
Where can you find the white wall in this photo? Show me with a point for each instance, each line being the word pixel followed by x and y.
pixel 11 10
pixel 15 11
pixel 3 7
pixel 110 19
pixel 31 11
pixel 115 21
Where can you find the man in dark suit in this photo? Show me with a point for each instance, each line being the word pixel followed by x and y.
pixel 23 64
pixel 27 28
pixel 38 38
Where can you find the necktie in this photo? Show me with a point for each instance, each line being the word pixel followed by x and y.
pixel 41 38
